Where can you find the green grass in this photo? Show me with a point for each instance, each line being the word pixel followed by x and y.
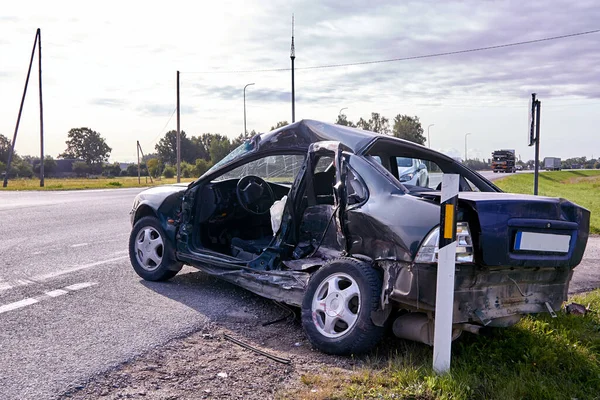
pixel 581 187
pixel 87 183
pixel 539 358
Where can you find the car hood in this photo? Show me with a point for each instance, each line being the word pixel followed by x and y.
pixel 163 190
pixel 160 196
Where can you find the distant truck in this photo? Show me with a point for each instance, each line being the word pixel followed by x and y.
pixel 552 163
pixel 503 161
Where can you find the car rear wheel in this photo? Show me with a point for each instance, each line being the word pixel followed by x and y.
pixel 149 251
pixel 337 306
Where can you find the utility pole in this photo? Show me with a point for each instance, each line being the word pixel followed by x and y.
pixel 12 150
pixel 39 35
pixel 293 57
pixel 534 138
pixel 138 156
pixel 178 134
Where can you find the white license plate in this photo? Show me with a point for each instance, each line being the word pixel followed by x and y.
pixel 531 241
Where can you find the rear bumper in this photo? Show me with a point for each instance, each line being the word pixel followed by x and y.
pixel 481 294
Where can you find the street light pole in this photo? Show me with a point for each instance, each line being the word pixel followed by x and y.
pixel 466 134
pixel 250 84
pixel 428 139
pixel 342 109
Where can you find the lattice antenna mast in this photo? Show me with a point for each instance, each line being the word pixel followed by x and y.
pixel 293 57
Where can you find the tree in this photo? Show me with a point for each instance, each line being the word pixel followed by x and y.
pixel 242 138
pixel 113 169
pixel 219 148
pixel 2 167
pixel 49 165
pixel 342 119
pixel 5 147
pixel 280 124
pixel 191 149
pixel 379 123
pixel 88 145
pixel 362 124
pixel 80 168
pixel 201 167
pixel 154 167
pixel 132 170
pixel 409 128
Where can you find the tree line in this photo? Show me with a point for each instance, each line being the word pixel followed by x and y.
pixel 198 153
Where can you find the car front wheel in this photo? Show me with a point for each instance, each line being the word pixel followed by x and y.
pixel 149 251
pixel 337 306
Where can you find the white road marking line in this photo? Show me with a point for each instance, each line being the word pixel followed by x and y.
pixel 75 269
pixel 37 279
pixel 79 244
pixel 79 286
pixel 47 295
pixel 56 293
pixel 17 304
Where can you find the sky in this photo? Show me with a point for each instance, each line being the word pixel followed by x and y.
pixel 112 66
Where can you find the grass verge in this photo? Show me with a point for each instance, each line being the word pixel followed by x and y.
pixel 581 187
pixel 539 358
pixel 87 183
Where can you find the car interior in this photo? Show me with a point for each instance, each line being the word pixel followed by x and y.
pixel 233 212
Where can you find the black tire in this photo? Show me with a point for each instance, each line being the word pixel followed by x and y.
pixel 346 339
pixel 427 182
pixel 167 267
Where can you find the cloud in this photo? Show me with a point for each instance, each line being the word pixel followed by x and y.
pixel 108 102
pixel 9 18
pixel 162 110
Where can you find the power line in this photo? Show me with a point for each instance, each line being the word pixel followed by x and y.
pixel 447 53
pixel 163 128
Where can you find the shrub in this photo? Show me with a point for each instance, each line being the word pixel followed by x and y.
pixel 169 172
pixel 187 170
pixel 201 166
pixel 80 168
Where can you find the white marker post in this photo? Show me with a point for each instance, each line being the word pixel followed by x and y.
pixel 444 298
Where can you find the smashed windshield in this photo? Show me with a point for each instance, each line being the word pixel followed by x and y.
pixel 239 151
pixel 276 169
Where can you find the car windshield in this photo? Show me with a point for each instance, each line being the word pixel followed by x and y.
pixel 239 151
pixel 404 161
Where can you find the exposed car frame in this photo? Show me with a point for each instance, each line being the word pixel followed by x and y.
pixel 370 251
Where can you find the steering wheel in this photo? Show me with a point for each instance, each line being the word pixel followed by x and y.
pixel 255 195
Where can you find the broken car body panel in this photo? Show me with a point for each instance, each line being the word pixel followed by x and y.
pixel 344 198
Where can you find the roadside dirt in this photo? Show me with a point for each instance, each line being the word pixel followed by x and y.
pixel 206 365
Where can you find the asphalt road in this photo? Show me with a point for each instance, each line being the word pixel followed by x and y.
pixel 72 307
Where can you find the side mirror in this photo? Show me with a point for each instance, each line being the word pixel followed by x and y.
pixel 422 166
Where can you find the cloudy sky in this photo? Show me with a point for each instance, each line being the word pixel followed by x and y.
pixel 111 66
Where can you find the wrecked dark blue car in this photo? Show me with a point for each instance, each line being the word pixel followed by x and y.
pixel 317 216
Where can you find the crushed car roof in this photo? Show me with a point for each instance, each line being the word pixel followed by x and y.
pixel 302 133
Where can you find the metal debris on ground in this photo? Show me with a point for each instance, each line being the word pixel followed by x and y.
pixel 254 349
pixel 290 313
pixel 577 309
